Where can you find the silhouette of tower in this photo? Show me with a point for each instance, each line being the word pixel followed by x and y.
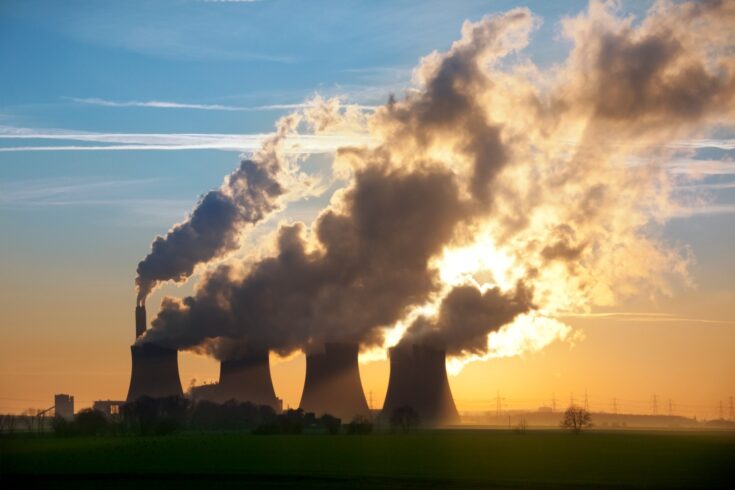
pixel 655 404
pixel 155 369
pixel 140 320
pixel 732 410
pixel 671 408
pixel 615 406
pixel 418 379
pixel 721 412
pixel 553 402
pixel 332 383
pixel 586 401
pixel 64 406
pixel 248 379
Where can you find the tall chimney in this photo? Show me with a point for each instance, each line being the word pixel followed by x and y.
pixel 140 321
pixel 248 379
pixel 418 379
pixel 332 383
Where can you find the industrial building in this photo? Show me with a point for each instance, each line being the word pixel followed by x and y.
pixel 108 407
pixel 64 406
pixel 248 379
pixel 332 383
pixel 155 369
pixel 418 379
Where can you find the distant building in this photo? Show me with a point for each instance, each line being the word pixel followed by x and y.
pixel 108 407
pixel 213 392
pixel 64 406
pixel 545 409
pixel 207 392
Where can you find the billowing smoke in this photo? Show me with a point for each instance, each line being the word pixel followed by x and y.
pixel 213 228
pixel 498 195
pixel 466 317
pixel 365 265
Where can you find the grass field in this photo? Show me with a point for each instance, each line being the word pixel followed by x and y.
pixel 456 459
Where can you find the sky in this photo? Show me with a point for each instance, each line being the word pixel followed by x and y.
pixel 101 103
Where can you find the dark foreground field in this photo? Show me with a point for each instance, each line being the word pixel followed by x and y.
pixel 433 459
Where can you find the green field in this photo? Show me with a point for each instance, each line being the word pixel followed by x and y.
pixel 456 459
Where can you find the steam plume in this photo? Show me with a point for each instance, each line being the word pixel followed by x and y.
pixel 247 195
pixel 497 194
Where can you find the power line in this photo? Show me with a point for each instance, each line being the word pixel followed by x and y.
pixel 498 405
pixel 655 404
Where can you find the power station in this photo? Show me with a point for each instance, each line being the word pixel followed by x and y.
pixel 248 379
pixel 155 371
pixel 418 379
pixel 332 383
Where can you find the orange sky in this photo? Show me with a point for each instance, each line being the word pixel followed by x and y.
pixel 602 182
pixel 76 341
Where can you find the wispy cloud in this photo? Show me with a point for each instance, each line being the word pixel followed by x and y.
pixel 694 168
pixel 65 190
pixel 644 317
pixel 296 144
pixel 93 192
pixel 705 209
pixel 162 104
pixel 708 186
pixel 698 144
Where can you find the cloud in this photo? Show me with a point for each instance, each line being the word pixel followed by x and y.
pixel 158 104
pixel 645 317
pixel 294 144
pixel 94 192
pixel 247 195
pixel 495 196
pixel 259 187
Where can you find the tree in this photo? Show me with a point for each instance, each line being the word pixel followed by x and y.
pixel 360 425
pixel 404 418
pixel 576 419
pixel 89 422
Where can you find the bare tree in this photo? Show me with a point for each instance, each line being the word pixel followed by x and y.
pixel 576 419
pixel 27 418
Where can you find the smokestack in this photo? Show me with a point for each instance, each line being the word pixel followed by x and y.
pixel 155 371
pixel 418 379
pixel 333 383
pixel 140 321
pixel 248 379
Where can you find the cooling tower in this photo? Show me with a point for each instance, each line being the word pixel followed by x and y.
pixel 247 379
pixel 418 379
pixel 333 384
pixel 155 370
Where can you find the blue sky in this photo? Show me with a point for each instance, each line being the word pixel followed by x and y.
pixel 99 66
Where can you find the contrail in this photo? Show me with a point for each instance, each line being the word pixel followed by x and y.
pixel 162 104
